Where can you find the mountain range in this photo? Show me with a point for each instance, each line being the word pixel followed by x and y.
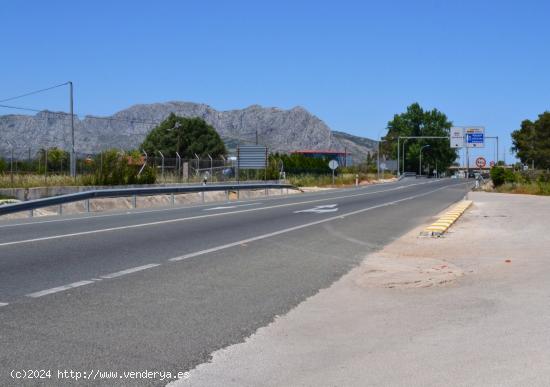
pixel 281 130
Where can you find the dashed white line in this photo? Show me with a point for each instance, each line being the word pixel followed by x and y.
pixel 129 271
pixel 286 230
pixel 230 207
pixel 195 217
pixel 59 289
pixel 3 304
pixel 87 282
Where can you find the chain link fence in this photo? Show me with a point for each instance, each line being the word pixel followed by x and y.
pixel 25 167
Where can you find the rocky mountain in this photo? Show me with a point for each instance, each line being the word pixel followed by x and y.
pixel 281 130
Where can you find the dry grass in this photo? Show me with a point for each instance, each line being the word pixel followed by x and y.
pixel 341 180
pixel 538 188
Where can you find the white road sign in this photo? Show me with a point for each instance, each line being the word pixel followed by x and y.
pixel 457 137
pixel 333 164
pixel 475 136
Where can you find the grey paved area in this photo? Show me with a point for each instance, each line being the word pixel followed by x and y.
pixel 487 324
pixel 76 301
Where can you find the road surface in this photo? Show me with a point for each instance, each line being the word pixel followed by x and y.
pixel 162 289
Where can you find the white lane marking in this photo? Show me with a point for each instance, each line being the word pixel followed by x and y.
pixel 3 303
pixel 194 217
pixel 320 209
pixel 229 207
pixel 87 282
pixel 183 207
pixel 129 271
pixel 290 229
pixel 59 289
pixel 164 209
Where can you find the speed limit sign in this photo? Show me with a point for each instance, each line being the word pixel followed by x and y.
pixel 480 162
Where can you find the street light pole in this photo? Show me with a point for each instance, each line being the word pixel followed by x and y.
pixel 420 163
pixel 73 155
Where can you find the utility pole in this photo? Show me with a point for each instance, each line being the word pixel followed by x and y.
pixel 73 155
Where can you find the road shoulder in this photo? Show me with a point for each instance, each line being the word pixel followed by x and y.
pixel 466 309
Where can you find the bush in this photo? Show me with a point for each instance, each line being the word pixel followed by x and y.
pixel 2 166
pixel 114 168
pixel 500 175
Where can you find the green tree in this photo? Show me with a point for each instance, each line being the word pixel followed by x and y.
pixel 186 136
pixel 419 122
pixel 58 159
pixel 531 142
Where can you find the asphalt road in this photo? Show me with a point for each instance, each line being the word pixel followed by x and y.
pixel 160 290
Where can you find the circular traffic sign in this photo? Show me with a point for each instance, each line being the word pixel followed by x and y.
pixel 333 164
pixel 480 162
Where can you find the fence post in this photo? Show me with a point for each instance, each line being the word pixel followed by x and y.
pixel 162 156
pixel 178 166
pixel 11 167
pixel 46 166
pixel 211 168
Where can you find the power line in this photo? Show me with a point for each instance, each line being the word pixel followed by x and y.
pixel 33 92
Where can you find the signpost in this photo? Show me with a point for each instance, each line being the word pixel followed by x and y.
pixel 333 164
pixel 475 136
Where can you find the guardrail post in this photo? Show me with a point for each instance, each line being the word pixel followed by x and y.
pixel 134 201
pixel 60 210
pixel 202 194
pixel 87 205
pixel 31 213
pixel 172 199
pixel 227 195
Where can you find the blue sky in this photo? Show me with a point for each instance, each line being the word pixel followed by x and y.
pixel 352 63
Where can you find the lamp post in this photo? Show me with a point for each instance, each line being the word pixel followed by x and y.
pixel 420 162
pixel 404 142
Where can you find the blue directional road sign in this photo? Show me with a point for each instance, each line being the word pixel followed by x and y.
pixel 475 137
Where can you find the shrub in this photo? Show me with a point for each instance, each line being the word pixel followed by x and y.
pixel 500 175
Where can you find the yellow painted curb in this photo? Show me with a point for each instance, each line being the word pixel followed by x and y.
pixel 440 226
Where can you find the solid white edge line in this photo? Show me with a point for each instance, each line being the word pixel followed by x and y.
pixel 290 229
pixel 198 217
pixel 129 271
pixel 59 289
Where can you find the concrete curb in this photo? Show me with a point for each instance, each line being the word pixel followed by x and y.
pixel 440 226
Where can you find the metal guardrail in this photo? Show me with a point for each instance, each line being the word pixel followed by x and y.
pixel 131 192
